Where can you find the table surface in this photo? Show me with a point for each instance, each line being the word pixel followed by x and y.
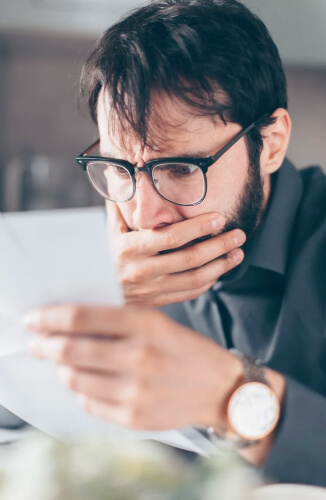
pixel 288 492
pixel 268 492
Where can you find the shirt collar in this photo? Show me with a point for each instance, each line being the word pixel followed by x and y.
pixel 269 248
pixel 272 241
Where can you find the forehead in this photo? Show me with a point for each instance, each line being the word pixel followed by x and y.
pixel 172 127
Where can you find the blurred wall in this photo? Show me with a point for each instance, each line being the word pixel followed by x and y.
pixel 40 120
pixel 307 106
pixel 42 130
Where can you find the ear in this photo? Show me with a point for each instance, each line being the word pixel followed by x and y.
pixel 276 138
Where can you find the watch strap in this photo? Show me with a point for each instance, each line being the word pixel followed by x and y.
pixel 253 369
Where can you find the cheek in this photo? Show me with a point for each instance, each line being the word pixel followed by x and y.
pixel 225 182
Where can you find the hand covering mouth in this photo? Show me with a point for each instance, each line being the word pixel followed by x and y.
pixel 189 244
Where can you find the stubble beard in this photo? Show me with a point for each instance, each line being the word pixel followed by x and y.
pixel 249 209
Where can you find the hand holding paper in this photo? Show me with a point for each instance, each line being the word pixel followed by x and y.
pixel 59 258
pixel 134 367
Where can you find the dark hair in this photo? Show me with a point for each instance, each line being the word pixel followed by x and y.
pixel 191 49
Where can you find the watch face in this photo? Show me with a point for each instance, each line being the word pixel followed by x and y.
pixel 253 411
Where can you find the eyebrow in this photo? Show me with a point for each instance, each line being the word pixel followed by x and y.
pixel 195 154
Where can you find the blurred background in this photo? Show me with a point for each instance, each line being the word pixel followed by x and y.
pixel 43 44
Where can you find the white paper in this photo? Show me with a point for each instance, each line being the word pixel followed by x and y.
pixel 50 258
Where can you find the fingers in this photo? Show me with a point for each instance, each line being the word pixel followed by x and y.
pixel 179 234
pixel 78 319
pixel 151 242
pixel 115 221
pixel 98 385
pixel 190 283
pixel 192 257
pixel 113 412
pixel 88 354
pixel 201 276
pixel 164 299
pixel 194 279
pixel 201 253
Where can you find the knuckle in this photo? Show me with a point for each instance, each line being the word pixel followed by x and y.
pixel 123 252
pixel 133 276
pixel 192 257
pixel 197 279
pixel 205 227
pixel 158 301
pixel 75 317
pixel 170 239
pixel 145 293
pixel 225 245
pixel 131 299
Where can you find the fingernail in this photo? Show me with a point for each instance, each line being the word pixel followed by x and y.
pixel 218 222
pixel 239 237
pixel 32 318
pixel 237 255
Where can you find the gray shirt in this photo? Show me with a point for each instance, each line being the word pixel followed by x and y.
pixel 273 306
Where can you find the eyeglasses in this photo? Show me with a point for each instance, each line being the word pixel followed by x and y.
pixel 181 181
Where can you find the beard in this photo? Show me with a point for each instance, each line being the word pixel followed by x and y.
pixel 249 208
pixel 247 212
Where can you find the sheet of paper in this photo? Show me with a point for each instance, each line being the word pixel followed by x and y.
pixel 15 284
pixel 48 258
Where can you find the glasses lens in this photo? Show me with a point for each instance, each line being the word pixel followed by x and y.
pixel 112 181
pixel 181 183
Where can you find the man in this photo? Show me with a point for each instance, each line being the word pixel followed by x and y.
pixel 191 105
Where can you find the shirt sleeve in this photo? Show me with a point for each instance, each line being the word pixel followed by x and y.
pixel 298 452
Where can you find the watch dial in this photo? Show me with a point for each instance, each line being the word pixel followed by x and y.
pixel 253 410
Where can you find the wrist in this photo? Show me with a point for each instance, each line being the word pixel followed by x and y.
pixel 257 454
pixel 234 377
pixel 228 377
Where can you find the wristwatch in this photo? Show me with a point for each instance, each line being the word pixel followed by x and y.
pixel 253 410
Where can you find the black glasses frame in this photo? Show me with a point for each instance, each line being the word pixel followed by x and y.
pixel 203 163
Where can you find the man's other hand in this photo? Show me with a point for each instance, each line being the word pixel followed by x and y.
pixel 136 367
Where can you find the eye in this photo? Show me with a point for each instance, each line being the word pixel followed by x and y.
pixel 120 170
pixel 185 169
pixel 177 169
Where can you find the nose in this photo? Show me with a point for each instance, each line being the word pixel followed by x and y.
pixel 150 209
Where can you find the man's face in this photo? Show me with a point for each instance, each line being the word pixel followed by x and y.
pixel 234 189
